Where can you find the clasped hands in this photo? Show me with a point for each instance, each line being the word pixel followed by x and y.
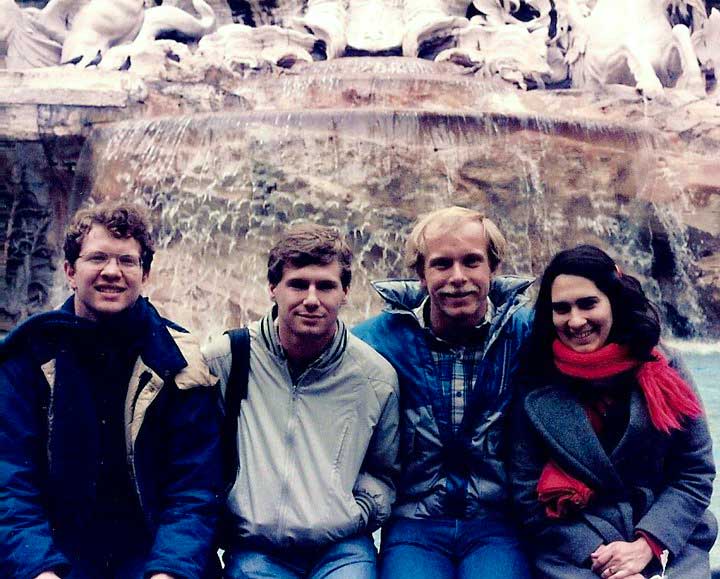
pixel 622 559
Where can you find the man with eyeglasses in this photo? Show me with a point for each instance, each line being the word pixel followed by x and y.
pixel 109 457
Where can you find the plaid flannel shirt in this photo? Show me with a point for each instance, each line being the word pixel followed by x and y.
pixel 456 365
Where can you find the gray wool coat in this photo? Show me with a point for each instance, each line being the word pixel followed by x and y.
pixel 650 481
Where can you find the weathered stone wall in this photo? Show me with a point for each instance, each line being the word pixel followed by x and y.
pixel 364 144
pixel 35 183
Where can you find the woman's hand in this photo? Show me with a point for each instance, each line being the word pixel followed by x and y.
pixel 621 559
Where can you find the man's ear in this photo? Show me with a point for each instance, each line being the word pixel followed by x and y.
pixel 271 292
pixel 420 271
pixel 421 276
pixel 70 274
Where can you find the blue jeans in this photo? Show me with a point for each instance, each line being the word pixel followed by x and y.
pixel 353 558
pixel 486 548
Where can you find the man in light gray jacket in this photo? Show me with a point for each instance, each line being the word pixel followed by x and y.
pixel 317 434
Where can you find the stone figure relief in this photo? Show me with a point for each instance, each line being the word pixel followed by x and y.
pixel 530 43
pixel 82 32
pixel 237 46
pixel 147 53
pixel 370 33
pixel 99 25
pixel 706 43
pixel 607 50
pixel 131 28
pixel 498 42
pixel 35 36
pixel 431 22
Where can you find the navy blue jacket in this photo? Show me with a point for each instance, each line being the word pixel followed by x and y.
pixel 171 430
pixel 443 474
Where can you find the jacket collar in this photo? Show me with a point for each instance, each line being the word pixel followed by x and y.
pixel 408 294
pixel 507 294
pixel 330 356
pixel 43 335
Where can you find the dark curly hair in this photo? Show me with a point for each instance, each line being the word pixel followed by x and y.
pixel 310 244
pixel 636 322
pixel 124 220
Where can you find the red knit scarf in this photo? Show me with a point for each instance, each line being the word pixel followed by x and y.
pixel 668 397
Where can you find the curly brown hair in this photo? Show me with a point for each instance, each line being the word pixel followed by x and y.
pixel 123 220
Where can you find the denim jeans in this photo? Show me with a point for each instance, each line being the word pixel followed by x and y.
pixel 353 558
pixel 486 548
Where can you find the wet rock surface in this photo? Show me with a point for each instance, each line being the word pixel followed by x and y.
pixel 227 158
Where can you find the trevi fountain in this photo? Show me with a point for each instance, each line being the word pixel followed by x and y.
pixel 565 120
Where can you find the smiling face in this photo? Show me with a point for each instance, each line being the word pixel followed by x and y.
pixel 456 272
pixel 581 313
pixel 102 291
pixel 309 300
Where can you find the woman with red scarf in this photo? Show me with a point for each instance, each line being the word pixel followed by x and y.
pixel 612 461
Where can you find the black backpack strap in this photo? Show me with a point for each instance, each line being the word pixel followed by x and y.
pixel 237 386
pixel 236 391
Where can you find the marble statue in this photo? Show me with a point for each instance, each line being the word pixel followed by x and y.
pixel 431 22
pixel 113 30
pixel 84 32
pixel 237 46
pixel 643 48
pixel 99 25
pixel 367 33
pixel 498 43
pixel 326 20
pixel 147 55
pixel 529 43
pixel 35 36
pixel 706 43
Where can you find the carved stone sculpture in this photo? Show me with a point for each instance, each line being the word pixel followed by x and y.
pixel 706 43
pixel 326 20
pixel 375 26
pixel 238 45
pixel 655 44
pixel 499 43
pixel 98 26
pixel 148 56
pixel 641 49
pixel 35 36
pixel 431 22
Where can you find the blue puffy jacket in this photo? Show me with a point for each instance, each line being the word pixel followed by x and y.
pixel 171 429
pixel 447 474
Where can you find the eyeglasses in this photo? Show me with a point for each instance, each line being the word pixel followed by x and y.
pixel 99 260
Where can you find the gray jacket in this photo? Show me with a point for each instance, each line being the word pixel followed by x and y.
pixel 652 482
pixel 317 455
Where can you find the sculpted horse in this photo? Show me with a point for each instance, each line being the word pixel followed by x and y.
pixel 635 43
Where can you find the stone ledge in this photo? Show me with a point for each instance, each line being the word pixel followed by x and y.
pixel 70 87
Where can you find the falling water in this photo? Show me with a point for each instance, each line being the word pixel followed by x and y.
pixel 223 186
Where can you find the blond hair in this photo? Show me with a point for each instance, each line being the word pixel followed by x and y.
pixel 448 218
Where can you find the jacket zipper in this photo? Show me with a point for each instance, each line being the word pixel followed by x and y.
pixel 289 437
pixel 144 379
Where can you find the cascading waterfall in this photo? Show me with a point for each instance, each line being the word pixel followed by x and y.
pixel 222 186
